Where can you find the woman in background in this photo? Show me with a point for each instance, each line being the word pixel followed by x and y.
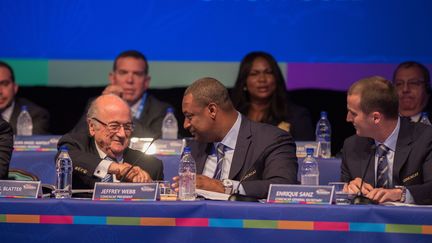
pixel 260 94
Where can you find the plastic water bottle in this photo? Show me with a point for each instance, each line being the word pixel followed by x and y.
pixel 309 169
pixel 424 118
pixel 169 125
pixel 24 123
pixel 187 176
pixel 64 174
pixel 323 136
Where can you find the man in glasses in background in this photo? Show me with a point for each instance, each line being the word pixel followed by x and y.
pixel 102 153
pixel 412 82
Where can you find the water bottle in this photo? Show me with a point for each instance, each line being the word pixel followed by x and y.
pixel 187 176
pixel 309 169
pixel 24 123
pixel 169 125
pixel 323 136
pixel 64 174
pixel 424 118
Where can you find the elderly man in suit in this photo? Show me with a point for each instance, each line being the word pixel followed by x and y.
pixel 6 148
pixel 10 105
pixel 102 153
pixel 130 80
pixel 231 151
pixel 393 155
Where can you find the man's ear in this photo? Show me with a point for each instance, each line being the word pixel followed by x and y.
pixel 377 117
pixel 111 77
pixel 212 109
pixel 91 127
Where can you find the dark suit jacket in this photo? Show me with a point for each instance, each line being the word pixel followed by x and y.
pixel 85 159
pixel 412 166
pixel 149 123
pixel 6 147
pixel 40 116
pixel 263 155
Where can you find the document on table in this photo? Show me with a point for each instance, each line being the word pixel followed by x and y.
pixel 212 195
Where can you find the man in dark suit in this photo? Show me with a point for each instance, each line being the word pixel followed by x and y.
pixel 394 154
pixel 412 82
pixel 10 106
pixel 104 155
pixel 6 147
pixel 231 151
pixel 130 80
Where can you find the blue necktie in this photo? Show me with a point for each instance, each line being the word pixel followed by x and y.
pixel 382 171
pixel 108 177
pixel 220 153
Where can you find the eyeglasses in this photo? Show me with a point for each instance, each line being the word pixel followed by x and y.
pixel 114 127
pixel 412 83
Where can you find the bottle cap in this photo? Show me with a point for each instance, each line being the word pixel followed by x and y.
pixel 63 148
pixel 24 108
pixel 170 110
pixel 324 114
pixel 424 114
pixel 309 151
pixel 186 149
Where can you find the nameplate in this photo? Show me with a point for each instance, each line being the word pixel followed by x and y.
pixel 300 194
pixel 39 143
pixel 301 147
pixel 159 147
pixel 125 191
pixel 19 189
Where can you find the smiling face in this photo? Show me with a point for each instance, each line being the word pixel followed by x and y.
pixel 260 82
pixel 8 88
pixel 198 119
pixel 362 122
pixel 130 74
pixel 111 110
pixel 411 89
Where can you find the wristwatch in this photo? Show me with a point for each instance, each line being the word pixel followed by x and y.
pixel 403 195
pixel 228 186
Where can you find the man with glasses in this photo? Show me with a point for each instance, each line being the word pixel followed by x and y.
pixel 102 153
pixel 412 82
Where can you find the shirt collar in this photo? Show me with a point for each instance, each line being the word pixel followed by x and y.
pixel 7 113
pixel 390 142
pixel 230 138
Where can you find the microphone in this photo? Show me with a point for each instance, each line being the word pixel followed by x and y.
pixel 360 199
pixel 236 196
pixel 139 157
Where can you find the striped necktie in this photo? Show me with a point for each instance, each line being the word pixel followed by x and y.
pixel 108 177
pixel 220 153
pixel 382 170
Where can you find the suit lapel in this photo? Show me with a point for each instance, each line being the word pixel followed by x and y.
pixel 241 149
pixel 367 157
pixel 403 148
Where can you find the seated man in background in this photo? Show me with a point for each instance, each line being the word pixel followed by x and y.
pixel 231 151
pixel 130 80
pixel 10 106
pixel 6 147
pixel 412 82
pixel 104 155
pixel 394 154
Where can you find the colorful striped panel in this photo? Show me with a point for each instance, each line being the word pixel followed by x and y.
pixel 218 223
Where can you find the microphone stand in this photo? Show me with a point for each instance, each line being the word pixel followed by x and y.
pixel 360 199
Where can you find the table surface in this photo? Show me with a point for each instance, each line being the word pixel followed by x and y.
pixel 76 220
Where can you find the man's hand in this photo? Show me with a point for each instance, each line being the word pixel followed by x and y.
pixel 113 89
pixel 382 195
pixel 136 174
pixel 202 182
pixel 353 187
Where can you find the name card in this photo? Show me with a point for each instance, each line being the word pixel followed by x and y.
pixel 300 194
pixel 125 191
pixel 19 189
pixel 36 143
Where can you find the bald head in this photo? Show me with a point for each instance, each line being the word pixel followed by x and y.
pixel 107 104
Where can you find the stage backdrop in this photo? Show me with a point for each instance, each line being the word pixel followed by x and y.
pixel 319 43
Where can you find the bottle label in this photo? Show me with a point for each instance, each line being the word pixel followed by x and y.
pixel 20 189
pixel 300 194
pixel 125 191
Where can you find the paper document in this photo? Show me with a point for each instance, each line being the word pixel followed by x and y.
pixel 212 195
